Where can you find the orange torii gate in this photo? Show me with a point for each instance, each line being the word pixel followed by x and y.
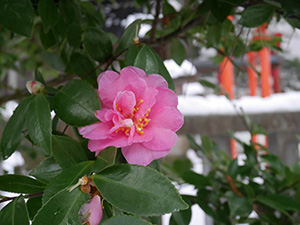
pixel 226 76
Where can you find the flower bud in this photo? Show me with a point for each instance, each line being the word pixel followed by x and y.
pixel 35 87
pixel 91 212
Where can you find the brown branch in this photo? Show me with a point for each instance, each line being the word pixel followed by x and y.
pixel 25 196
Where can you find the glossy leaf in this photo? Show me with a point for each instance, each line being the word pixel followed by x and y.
pixel 61 209
pixel 134 189
pixel 54 61
pixel 67 178
pixel 127 38
pixel 148 60
pixel 234 2
pixel 256 15
pixel 82 66
pixel 106 158
pixel 46 170
pixel 15 129
pixel 15 213
pixel 20 184
pixel 76 103
pixel 131 54
pixel 279 202
pixel 183 216
pixel 47 39
pixel 97 43
pixel 33 206
pixel 67 152
pixel 240 206
pixel 177 51
pixel 38 76
pixel 195 179
pixel 38 123
pixel 17 16
pixel 125 220
pixel 48 13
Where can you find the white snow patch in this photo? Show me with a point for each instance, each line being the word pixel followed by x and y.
pixel 13 161
pixel 220 105
pixel 185 69
pixel 8 109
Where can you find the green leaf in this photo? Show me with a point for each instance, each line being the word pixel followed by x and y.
pixel 82 66
pixel 74 34
pixel 195 179
pixel 183 216
pixel 14 130
pixel 131 55
pixel 125 220
pixel 97 43
pixel 47 39
pixel 61 209
pixel 233 168
pixel 126 185
pixel 48 13
pixel 33 206
pixel 46 170
pixel 67 178
pixel 17 16
pixel 38 76
pixel 128 36
pixel 149 61
pixel 20 184
pixel 234 2
pixel 67 152
pixel 279 202
pixel 15 213
pixel 239 206
pixel 177 51
pixel 38 123
pixel 76 103
pixel 106 158
pixel 256 15
pixel 54 61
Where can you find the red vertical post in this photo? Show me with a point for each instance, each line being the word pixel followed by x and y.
pixel 265 74
pixel 276 70
pixel 252 80
pixel 226 78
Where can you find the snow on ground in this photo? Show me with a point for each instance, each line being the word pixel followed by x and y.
pixel 220 105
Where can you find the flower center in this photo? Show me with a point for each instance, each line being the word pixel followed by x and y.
pixel 139 123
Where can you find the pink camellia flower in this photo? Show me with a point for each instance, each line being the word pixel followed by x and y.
pixel 91 212
pixel 139 115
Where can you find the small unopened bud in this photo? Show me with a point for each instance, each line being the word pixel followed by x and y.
pixel 35 87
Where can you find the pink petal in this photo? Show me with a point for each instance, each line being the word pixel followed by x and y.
pixel 139 154
pixel 156 80
pixel 162 139
pixel 108 87
pixel 96 131
pixel 125 102
pixel 138 87
pixel 166 97
pixel 129 70
pixel 120 140
pixel 147 136
pixel 149 99
pixel 166 117
pixel 91 212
